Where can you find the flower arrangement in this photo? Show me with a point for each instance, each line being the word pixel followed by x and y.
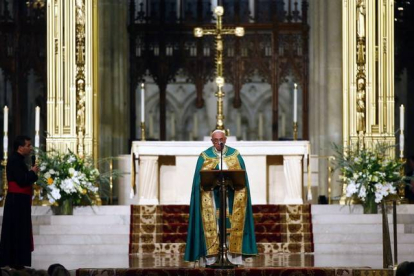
pixel 65 176
pixel 370 174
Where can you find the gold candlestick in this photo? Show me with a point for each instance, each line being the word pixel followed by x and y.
pixel 4 180
pixel 142 131
pixel 295 131
pixel 401 185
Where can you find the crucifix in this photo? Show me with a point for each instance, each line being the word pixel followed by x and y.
pixel 218 32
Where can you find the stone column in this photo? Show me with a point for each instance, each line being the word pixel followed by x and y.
pixel 113 77
pixel 325 84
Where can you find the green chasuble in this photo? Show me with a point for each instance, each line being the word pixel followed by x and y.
pixel 202 234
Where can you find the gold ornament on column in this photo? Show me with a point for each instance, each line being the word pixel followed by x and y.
pixel 360 77
pixel 218 32
pixel 80 77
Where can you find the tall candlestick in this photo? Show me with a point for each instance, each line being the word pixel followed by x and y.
pixel 142 102
pixel 295 103
pixel 6 119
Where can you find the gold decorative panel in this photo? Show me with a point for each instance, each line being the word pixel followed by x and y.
pixel 72 77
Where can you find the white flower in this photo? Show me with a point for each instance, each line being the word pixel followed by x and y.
pixel 362 193
pixel 72 171
pixel 351 189
pixel 47 175
pixel 68 186
pixel 72 159
pixel 55 193
pixel 52 171
pixel 42 168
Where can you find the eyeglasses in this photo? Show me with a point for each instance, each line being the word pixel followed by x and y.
pixel 217 141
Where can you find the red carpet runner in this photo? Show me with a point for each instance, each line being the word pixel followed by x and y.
pixel 163 228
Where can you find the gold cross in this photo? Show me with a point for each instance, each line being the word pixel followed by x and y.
pixel 218 32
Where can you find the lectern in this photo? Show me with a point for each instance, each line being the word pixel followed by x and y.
pixel 234 179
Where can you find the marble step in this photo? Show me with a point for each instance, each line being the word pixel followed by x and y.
pixel 86 249
pixel 359 248
pixel 353 228
pixel 90 220
pixel 80 239
pixel 371 238
pixel 357 209
pixel 82 230
pixel 349 219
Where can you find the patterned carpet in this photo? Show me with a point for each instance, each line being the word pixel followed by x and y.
pixel 291 271
pixel 163 228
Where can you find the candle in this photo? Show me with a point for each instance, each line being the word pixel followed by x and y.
pixel 260 126
pixel 283 125
pixel 402 131
pixel 295 103
pixel 142 102
pixel 195 126
pixel 238 125
pixel 6 119
pixel 173 125
pixel 5 127
pixel 37 118
pixel 151 126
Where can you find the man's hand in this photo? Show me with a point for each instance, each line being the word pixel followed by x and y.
pixel 35 168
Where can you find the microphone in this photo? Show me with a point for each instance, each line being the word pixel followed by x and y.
pixel 33 160
pixel 221 146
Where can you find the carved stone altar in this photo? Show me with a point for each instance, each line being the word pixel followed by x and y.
pixel 165 170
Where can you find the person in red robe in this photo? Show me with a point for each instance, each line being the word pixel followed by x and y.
pixel 16 244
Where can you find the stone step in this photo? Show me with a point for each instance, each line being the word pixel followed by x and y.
pixel 371 238
pixel 60 239
pixel 357 209
pixel 352 228
pixel 82 230
pixel 86 249
pixel 359 248
pixel 90 220
pixel 348 219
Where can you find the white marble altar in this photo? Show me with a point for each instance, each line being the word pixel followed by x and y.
pixel 169 182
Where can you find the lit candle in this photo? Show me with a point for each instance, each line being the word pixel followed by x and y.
pixel 142 102
pixel 295 103
pixel 6 119
pixel 402 117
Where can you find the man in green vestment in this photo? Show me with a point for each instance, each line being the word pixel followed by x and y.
pixel 202 235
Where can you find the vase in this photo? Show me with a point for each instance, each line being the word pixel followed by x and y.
pixel 65 208
pixel 370 206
